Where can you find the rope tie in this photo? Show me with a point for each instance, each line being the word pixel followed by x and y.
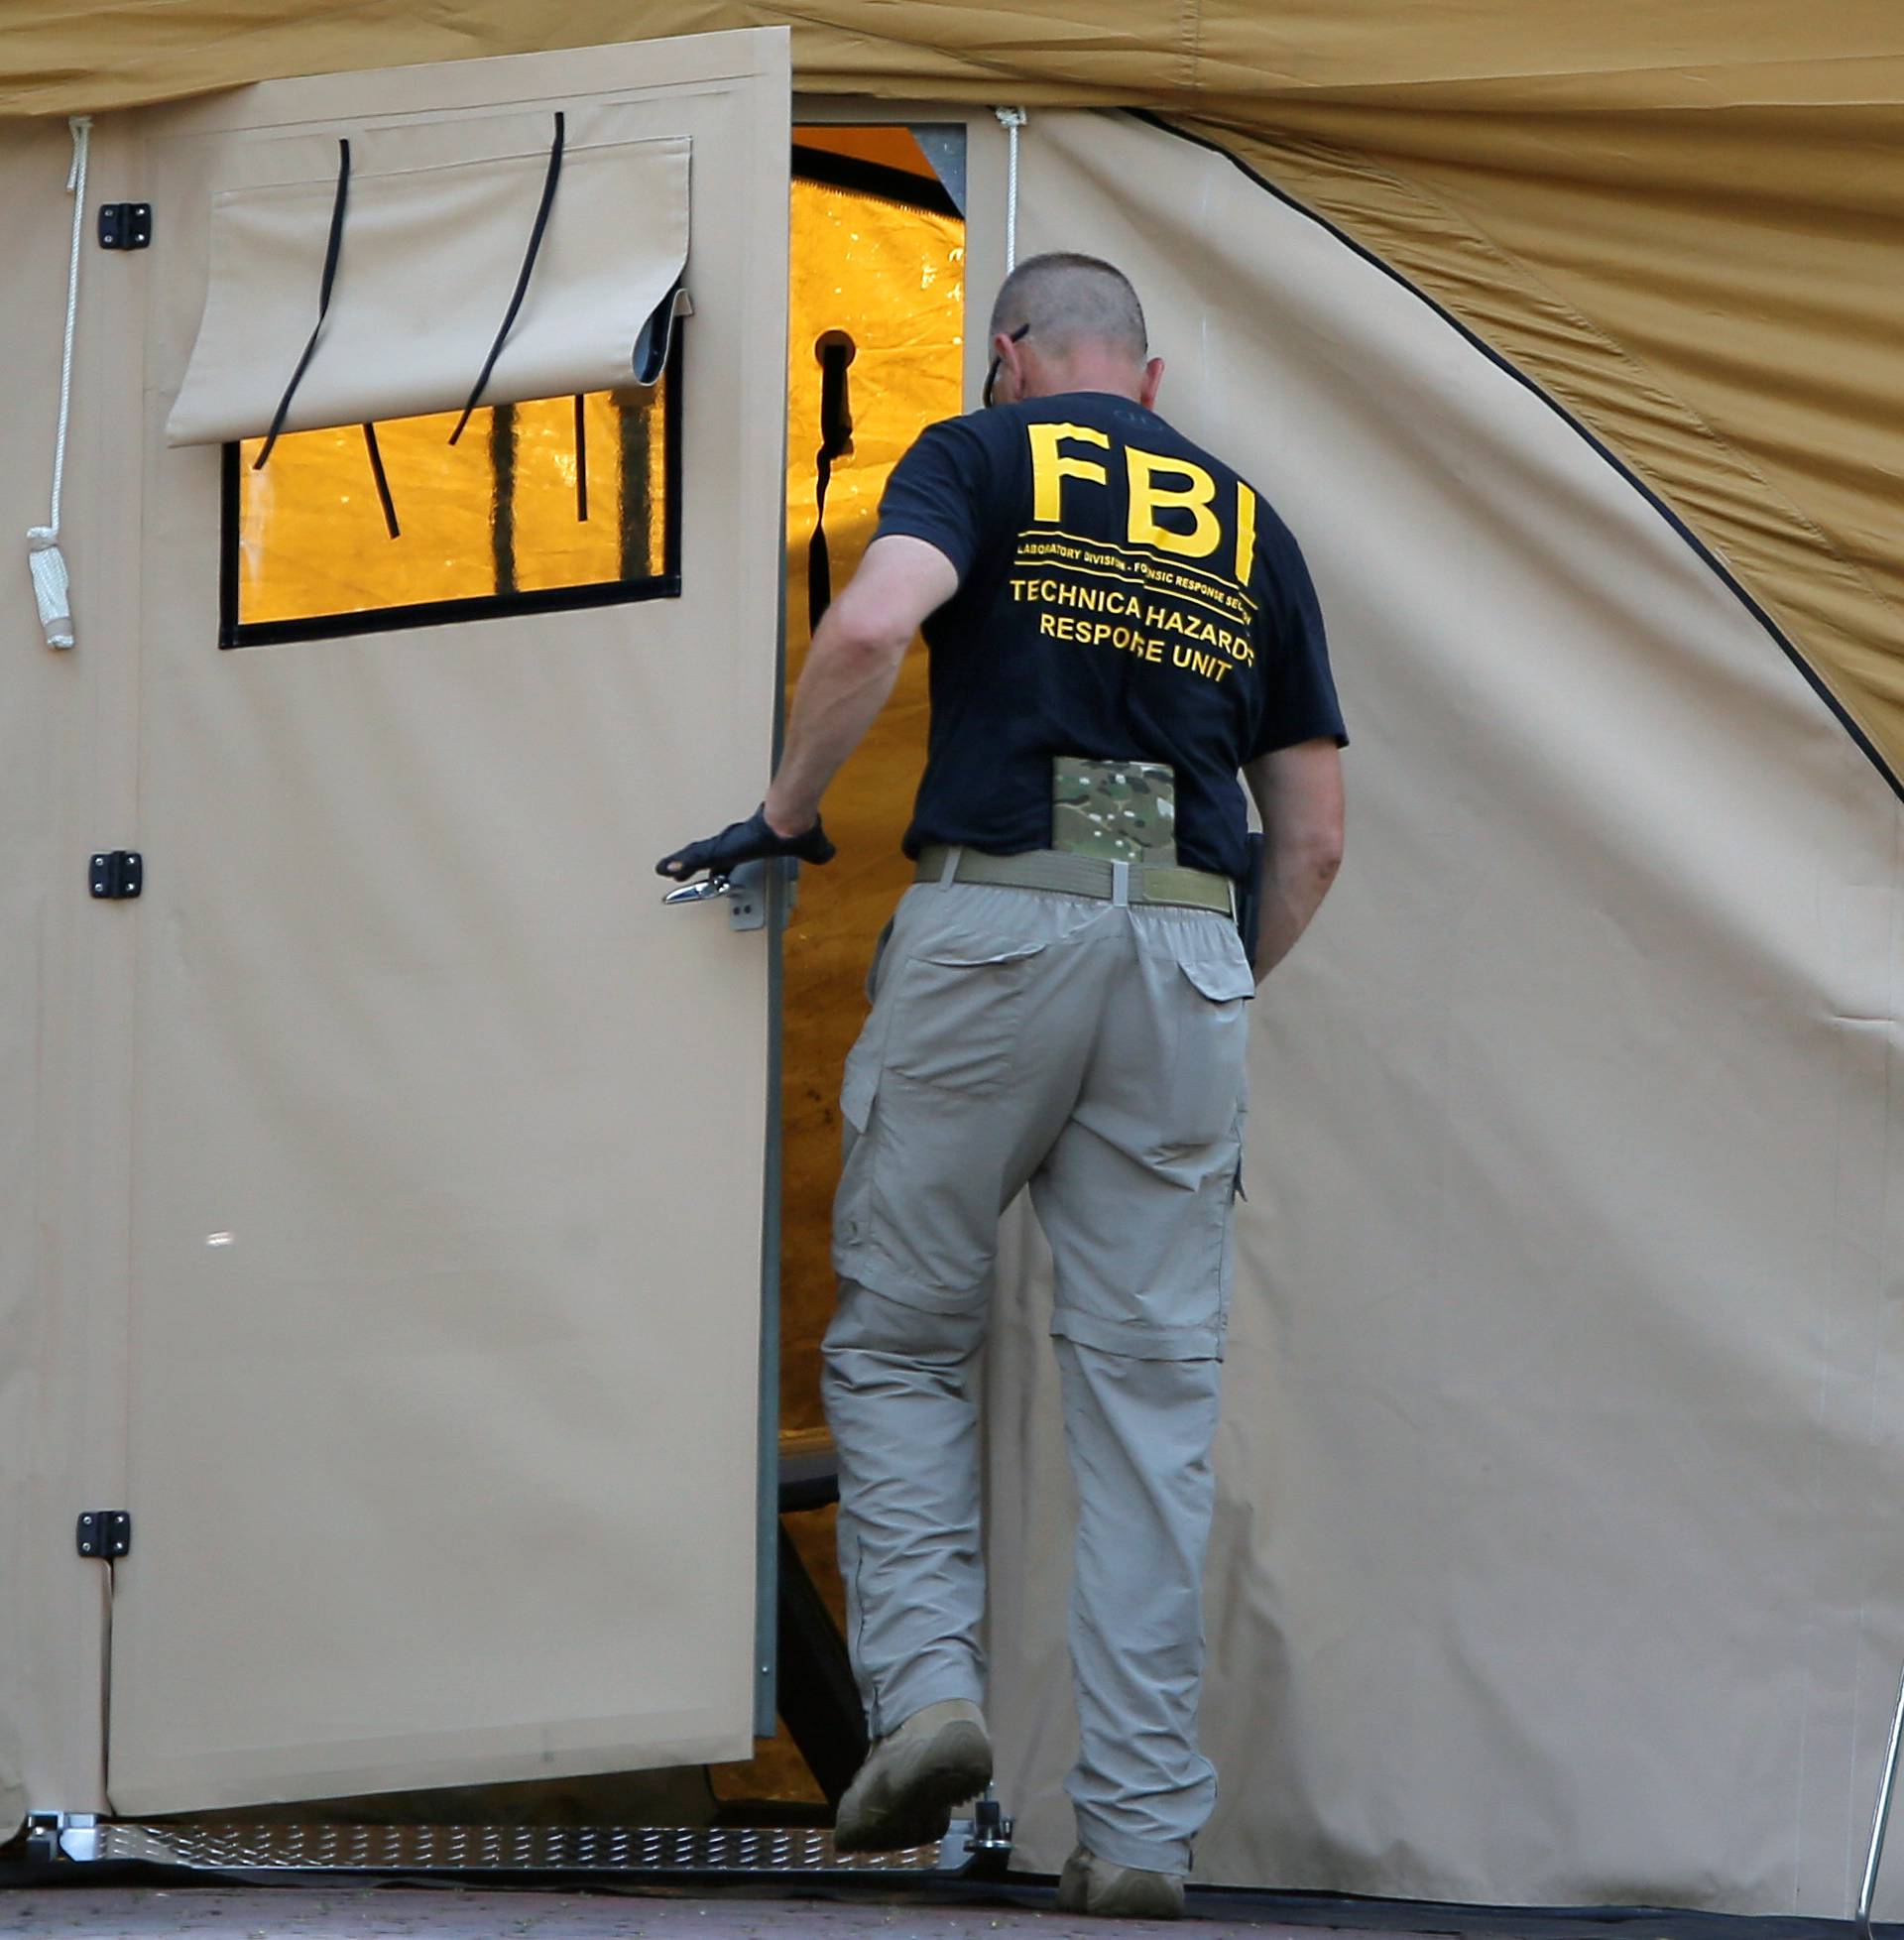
pixel 522 281
pixel 1011 120
pixel 333 247
pixel 51 588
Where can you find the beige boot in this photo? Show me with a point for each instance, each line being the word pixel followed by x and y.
pixel 904 1792
pixel 1127 1893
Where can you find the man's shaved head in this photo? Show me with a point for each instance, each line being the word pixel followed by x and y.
pixel 1067 300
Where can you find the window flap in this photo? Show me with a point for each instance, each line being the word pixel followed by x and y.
pixel 426 229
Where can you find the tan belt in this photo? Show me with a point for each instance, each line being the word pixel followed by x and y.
pixel 1073 875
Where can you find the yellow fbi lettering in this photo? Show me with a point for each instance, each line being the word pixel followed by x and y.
pixel 1156 614
pixel 1050 467
pixel 1156 484
pixel 1128 640
pixel 1194 496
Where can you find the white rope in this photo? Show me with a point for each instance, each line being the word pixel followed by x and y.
pixel 51 586
pixel 1013 120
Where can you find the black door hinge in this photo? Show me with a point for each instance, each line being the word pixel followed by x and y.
pixel 105 1533
pixel 125 225
pixel 116 875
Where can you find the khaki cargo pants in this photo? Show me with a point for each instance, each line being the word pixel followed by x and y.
pixel 1093 1052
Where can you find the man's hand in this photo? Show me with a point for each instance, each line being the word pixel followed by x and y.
pixel 747 841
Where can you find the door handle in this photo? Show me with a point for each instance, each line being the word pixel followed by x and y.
pixel 746 891
pixel 704 891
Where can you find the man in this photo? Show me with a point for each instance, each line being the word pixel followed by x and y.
pixel 1118 624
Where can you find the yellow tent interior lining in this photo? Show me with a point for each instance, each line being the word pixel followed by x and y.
pixel 893 278
pixel 312 539
pixel 886 147
pixel 1683 227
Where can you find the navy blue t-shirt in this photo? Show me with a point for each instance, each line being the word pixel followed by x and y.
pixel 1123 595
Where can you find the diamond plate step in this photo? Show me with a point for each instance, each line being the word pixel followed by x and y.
pixel 235 1845
pixel 321 1848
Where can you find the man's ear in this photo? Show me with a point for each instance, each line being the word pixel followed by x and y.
pixel 1152 383
pixel 1011 355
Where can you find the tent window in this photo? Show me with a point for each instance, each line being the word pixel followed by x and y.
pixel 539 506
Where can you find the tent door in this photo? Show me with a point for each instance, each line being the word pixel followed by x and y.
pixel 447 1142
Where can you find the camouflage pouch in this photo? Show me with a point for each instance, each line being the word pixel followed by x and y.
pixel 1115 811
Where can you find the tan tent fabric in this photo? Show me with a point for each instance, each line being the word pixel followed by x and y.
pixel 436 224
pixel 59 1436
pixel 423 1068
pixel 1559 1555
pixel 1559 1549
pixel 1734 342
pixel 1686 224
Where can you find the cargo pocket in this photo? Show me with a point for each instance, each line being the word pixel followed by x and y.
pixel 859 1083
pixel 853 1199
pixel 1207 1076
pixel 955 1017
pixel 879 958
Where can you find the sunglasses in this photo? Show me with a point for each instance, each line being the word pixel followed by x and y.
pixel 992 375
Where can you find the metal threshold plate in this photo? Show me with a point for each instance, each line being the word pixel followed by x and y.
pixel 234 1847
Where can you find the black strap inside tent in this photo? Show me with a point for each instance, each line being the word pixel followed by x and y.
pixel 835 350
pixel 581 458
pixel 522 281
pixel 332 250
pixel 380 479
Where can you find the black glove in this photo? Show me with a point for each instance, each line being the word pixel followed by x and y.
pixel 747 841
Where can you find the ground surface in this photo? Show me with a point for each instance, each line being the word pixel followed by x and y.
pixel 352 1913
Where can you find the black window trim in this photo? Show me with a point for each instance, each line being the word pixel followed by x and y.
pixel 666 584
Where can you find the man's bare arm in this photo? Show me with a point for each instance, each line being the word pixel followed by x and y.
pixel 850 667
pixel 1298 794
